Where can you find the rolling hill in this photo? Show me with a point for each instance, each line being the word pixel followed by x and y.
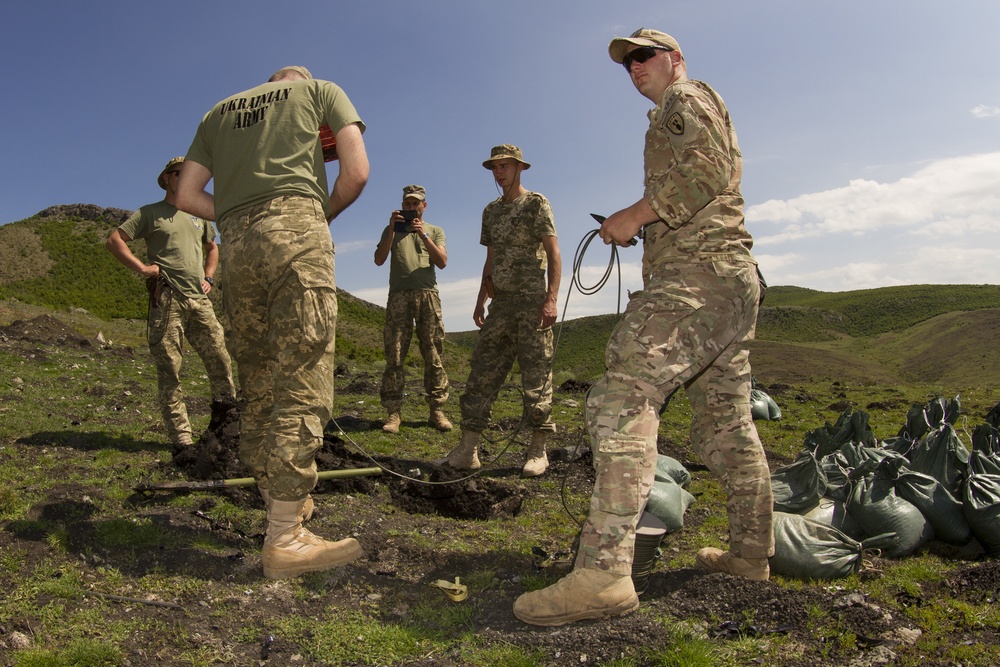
pixel 907 334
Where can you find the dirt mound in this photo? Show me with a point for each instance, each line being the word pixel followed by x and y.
pixel 44 329
pixel 575 387
pixel 457 496
pixel 215 456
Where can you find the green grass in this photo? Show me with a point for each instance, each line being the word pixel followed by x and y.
pixel 80 430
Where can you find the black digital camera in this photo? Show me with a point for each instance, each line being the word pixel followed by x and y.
pixel 408 217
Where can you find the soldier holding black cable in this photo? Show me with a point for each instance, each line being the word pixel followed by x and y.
pixel 688 327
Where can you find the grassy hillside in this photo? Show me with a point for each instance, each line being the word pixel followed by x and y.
pixel 794 314
pixel 927 333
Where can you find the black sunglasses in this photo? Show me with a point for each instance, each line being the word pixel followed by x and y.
pixel 641 55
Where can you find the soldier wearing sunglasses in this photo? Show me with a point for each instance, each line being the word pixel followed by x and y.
pixel 689 327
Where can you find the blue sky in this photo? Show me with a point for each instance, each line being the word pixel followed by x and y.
pixel 870 129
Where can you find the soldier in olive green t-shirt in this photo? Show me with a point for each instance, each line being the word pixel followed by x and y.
pixel 183 257
pixel 417 248
pixel 264 150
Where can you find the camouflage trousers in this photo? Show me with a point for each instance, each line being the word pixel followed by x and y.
pixel 689 327
pixel 170 321
pixel 401 311
pixel 281 303
pixel 510 333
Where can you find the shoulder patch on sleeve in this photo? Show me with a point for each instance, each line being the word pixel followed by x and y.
pixel 676 123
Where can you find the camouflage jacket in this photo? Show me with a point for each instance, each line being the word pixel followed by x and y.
pixel 693 168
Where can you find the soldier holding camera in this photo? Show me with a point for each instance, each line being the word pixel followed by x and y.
pixel 416 248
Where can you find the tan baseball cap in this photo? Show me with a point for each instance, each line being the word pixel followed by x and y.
pixel 641 37
pixel 504 151
pixel 161 180
pixel 414 192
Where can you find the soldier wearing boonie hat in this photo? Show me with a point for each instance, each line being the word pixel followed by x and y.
pixel 506 152
pixel 688 327
pixel 286 359
pixel 521 277
pixel 183 258
pixel 417 248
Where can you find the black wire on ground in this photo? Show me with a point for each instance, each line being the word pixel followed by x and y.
pixel 614 263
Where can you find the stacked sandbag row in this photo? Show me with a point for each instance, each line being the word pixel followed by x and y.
pixel 846 492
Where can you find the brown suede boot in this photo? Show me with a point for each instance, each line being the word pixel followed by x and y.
pixel 537 462
pixel 465 456
pixel 291 550
pixel 580 594
pixel 438 420
pixel 308 506
pixel 392 423
pixel 717 560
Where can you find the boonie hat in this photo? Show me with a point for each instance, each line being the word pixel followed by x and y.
pixel 641 37
pixel 161 180
pixel 414 192
pixel 504 151
pixel 292 68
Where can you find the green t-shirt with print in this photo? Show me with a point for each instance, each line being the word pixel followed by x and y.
pixel 175 242
pixel 264 142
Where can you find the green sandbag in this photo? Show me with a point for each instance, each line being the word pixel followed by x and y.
pixel 669 469
pixel 835 468
pixel 668 502
pixel 762 406
pixel 850 427
pixel 807 549
pixel 986 438
pixel 981 463
pixel 798 486
pixel 941 455
pixel 982 509
pixel 941 509
pixel 877 508
pixel 922 419
pixel 834 513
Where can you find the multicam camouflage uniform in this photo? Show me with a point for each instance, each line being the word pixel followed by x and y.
pixel 688 327
pixel 413 298
pixel 278 267
pixel 510 331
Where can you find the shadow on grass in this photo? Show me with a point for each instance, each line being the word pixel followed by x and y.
pixel 167 542
pixel 89 441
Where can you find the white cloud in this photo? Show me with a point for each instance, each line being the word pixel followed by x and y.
pixel 344 247
pixel 984 111
pixel 937 226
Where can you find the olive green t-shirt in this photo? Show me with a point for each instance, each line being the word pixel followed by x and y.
pixel 264 142
pixel 410 266
pixel 174 242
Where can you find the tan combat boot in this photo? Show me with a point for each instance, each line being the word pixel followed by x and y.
pixel 392 423
pixel 308 506
pixel 438 420
pixel 465 456
pixel 717 560
pixel 580 594
pixel 537 462
pixel 291 550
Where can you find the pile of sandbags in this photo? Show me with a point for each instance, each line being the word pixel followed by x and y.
pixel 846 492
